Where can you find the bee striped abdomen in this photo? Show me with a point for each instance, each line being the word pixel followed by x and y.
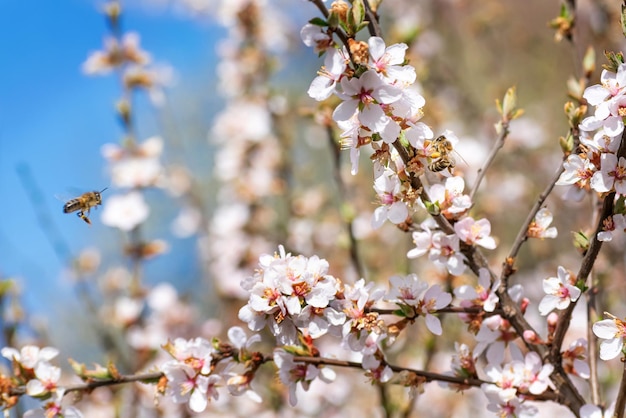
pixel 72 206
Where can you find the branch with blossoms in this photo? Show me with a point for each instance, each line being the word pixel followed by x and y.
pixel 315 322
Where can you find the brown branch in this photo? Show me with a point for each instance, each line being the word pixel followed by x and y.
pixel 450 309
pixel 373 25
pixel 620 403
pixel 592 346
pixel 94 384
pixel 522 234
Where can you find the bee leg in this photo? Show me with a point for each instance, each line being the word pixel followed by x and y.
pixel 82 216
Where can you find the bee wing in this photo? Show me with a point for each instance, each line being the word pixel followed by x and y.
pixel 65 197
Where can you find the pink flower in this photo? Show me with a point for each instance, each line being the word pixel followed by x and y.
pixel 612 175
pixel 559 292
pixel 365 96
pixel 450 198
pixel 389 61
pixel 324 84
pixel 483 294
pixel 388 189
pixel 30 356
pixel 577 174
pixel 475 232
pixel 291 373
pixel 315 36
pixel 613 330
pixel 539 228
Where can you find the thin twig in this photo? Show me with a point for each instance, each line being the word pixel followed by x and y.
pixel 565 316
pixel 374 24
pixel 592 346
pixel 620 402
pixel 522 234
pixel 492 155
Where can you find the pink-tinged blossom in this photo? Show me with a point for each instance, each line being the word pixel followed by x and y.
pixel 513 408
pixel 536 375
pixel 291 373
pixel 473 232
pixel 601 142
pixel 608 99
pixel 483 294
pixel 560 292
pixel 353 136
pixel 409 106
pixel 462 364
pixel 366 96
pixel 410 291
pixel 185 385
pixel 506 380
pixel 423 239
pixel 433 300
pixel 442 249
pixel 389 61
pixel 612 226
pixel 377 371
pixel 188 379
pixel 612 175
pixel 574 359
pixel 324 84
pixel 540 226
pixel 450 198
pixel 496 333
pixel 359 323
pixel 289 293
pixel 417 134
pixel 446 253
pixel 388 188
pixel 406 290
pixel 316 37
pixel 197 352
pixel 576 175
pixel 613 331
pixel 54 409
pixel 30 356
pixel 46 380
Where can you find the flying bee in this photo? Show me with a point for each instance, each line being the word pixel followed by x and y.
pixel 84 203
pixel 441 157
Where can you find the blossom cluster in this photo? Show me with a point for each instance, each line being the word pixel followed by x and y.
pixel 380 105
pixel 32 368
pixel 596 164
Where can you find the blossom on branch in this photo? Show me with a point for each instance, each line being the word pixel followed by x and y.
pixel 291 373
pixel 613 331
pixel 289 294
pixel 475 232
pixel 540 226
pixel 560 292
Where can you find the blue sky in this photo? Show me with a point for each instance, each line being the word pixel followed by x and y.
pixel 53 120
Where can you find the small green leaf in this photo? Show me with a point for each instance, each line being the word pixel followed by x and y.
pixel 318 21
pixel 589 60
pixel 581 241
pixel 358 12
